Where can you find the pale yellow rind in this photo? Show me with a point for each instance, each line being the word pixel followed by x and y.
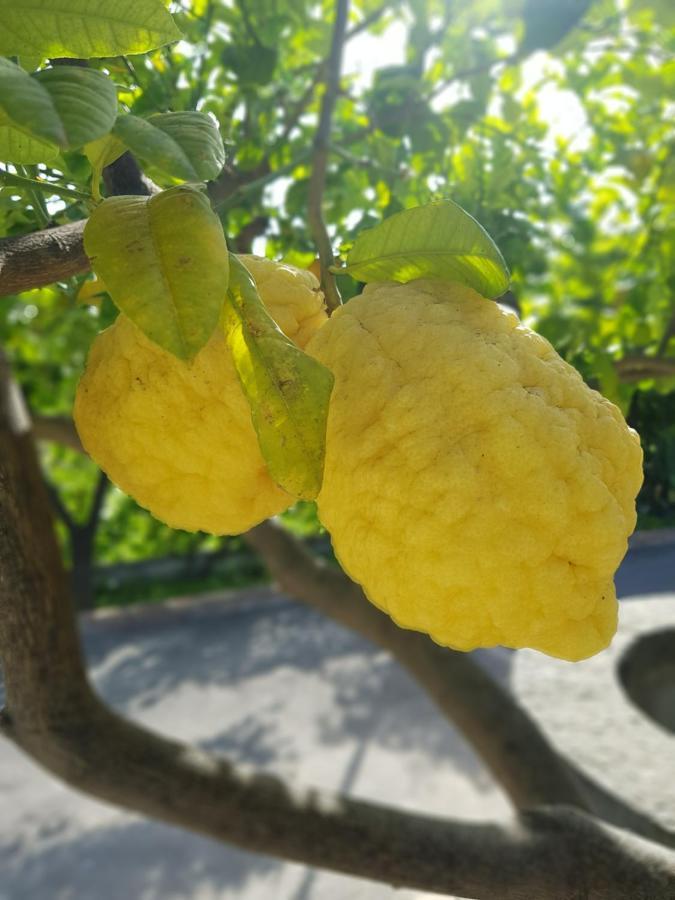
pixel 178 436
pixel 474 485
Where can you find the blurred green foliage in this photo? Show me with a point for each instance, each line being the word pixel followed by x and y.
pixel 550 122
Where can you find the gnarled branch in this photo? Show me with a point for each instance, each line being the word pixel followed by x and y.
pixel 54 716
pixel 462 691
pixel 43 257
pixel 508 741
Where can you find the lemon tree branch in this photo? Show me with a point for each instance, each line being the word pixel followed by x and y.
pixel 487 715
pixel 50 188
pixel 53 715
pixel 320 156
pixel 638 368
pixel 59 429
pixel 518 755
pixel 55 254
pixel 522 761
pixel 42 257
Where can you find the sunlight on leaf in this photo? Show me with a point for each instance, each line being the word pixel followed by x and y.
pixel 84 28
pixel 164 262
pixel 439 240
pixel 288 391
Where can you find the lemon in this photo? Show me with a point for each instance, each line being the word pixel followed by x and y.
pixel 474 485
pixel 178 436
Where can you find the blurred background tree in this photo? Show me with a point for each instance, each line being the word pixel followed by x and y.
pixel 552 123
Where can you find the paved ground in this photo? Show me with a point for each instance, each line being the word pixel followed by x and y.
pixel 648 569
pixel 270 683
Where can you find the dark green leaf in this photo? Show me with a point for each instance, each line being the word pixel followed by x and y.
pixel 85 101
pixel 27 106
pixel 547 22
pixel 184 145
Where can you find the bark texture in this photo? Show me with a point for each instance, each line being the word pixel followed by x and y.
pixel 54 716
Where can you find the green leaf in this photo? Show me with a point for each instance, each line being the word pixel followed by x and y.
pixel 27 105
pixel 84 28
pixel 66 106
pixel 30 63
pixel 183 145
pixel 548 22
pixel 101 153
pixel 252 63
pixel 198 137
pixel 17 147
pixel 662 11
pixel 104 151
pixel 288 391
pixel 439 240
pixel 164 261
pixel 85 101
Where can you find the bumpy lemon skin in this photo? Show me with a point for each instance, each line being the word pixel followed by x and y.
pixel 474 485
pixel 178 436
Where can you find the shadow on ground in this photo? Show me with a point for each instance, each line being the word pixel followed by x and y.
pixel 135 860
pixel 269 683
pixel 138 662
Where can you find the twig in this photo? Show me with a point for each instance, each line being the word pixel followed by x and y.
pixel 298 109
pixel 36 199
pixel 470 72
pixel 248 25
pixel 224 198
pixel 48 187
pixel 102 485
pixel 367 21
pixel 200 75
pixel 243 241
pixel 125 176
pixel 668 333
pixel 365 163
pixel 317 182
pixel 59 506
pixel 638 368
pixel 59 429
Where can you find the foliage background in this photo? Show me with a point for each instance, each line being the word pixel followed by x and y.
pixel 552 123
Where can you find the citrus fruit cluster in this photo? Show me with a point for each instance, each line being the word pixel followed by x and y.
pixel 178 436
pixel 474 485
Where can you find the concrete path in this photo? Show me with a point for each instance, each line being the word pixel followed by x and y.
pixel 649 567
pixel 267 682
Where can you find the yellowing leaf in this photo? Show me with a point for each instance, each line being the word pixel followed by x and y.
pixel 439 240
pixel 101 153
pixel 84 28
pixel 91 292
pixel 287 390
pixel 164 261
pixel 18 147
